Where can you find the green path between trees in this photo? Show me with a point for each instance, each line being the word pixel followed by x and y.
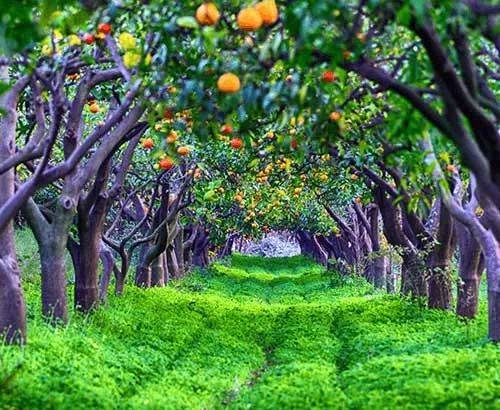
pixel 254 333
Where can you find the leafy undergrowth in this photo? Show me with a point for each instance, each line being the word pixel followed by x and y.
pixel 254 333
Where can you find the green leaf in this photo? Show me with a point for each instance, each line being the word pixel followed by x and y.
pixel 187 22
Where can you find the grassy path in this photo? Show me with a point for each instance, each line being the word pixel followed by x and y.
pixel 254 333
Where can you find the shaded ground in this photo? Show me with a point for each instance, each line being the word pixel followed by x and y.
pixel 255 333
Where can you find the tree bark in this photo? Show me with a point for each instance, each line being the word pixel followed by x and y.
pixel 12 307
pixel 439 282
pixel 470 268
pixel 157 273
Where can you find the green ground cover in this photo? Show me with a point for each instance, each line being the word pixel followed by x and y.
pixel 253 333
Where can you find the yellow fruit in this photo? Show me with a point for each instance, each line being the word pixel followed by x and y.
pixel 249 19
pixel 131 59
pixel 74 40
pixel 127 41
pixel 228 83
pixel 207 14
pixel 268 11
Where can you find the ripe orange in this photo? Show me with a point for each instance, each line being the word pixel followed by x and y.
pixel 357 200
pixel 104 28
pixel 236 143
pixel 94 108
pixel 166 163
pixel 148 143
pixel 226 129
pixel 228 83
pixel 171 137
pixel 268 11
pixel 335 116
pixel 329 77
pixel 183 151
pixel 249 19
pixel 238 198
pixel 207 14
pixel 88 38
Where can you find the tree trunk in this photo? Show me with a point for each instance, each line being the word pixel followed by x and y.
pixel 173 266
pixel 200 249
pixel 87 262
pixel 52 239
pixel 108 263
pixel 157 274
pixel 412 276
pixel 143 270
pixel 440 258
pixel 12 308
pixel 54 276
pixel 378 264
pixel 390 282
pixel 469 273
pixel 179 252
pixel 492 255
pixel 120 275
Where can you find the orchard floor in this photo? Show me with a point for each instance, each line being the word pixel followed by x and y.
pixel 254 334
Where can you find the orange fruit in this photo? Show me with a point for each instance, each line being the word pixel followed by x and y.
pixel 228 83
pixel 226 129
pixel 329 77
pixel 104 28
pixel 148 143
pixel 171 137
pixel 335 116
pixel 347 55
pixel 88 38
pixel 357 200
pixel 94 108
pixel 207 14
pixel 236 143
pixel 238 198
pixel 249 19
pixel 166 163
pixel 183 151
pixel 268 11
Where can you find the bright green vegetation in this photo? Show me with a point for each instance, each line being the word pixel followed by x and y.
pixel 254 333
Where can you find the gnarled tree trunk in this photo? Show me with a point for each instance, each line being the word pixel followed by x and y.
pixel 440 258
pixel 12 308
pixel 470 268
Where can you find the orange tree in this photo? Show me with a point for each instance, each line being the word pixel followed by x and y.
pixel 328 64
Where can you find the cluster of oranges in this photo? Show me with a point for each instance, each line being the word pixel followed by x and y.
pixel 103 30
pixel 249 19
